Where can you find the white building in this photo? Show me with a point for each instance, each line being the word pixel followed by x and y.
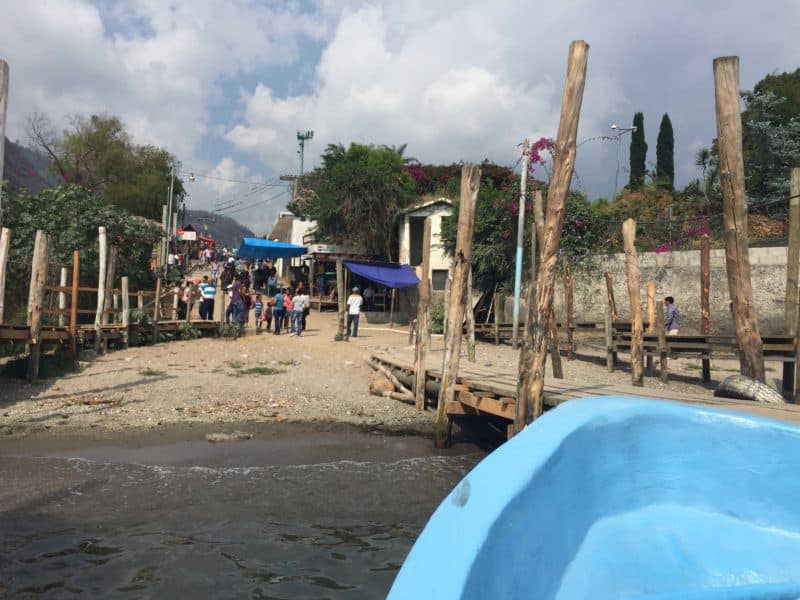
pixel 411 228
pixel 291 229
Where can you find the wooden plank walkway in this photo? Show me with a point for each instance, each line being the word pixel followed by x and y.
pixel 481 390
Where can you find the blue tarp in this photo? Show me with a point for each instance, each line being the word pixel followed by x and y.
pixel 258 248
pixel 398 276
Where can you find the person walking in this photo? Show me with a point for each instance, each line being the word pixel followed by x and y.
pixel 207 292
pixel 299 302
pixel 258 307
pixel 353 312
pixel 277 311
pixel 672 322
pixel 237 304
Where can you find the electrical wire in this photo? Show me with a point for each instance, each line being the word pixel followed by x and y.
pixel 254 204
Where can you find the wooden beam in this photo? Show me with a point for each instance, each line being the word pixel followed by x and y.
pixel 705 305
pixel 423 320
pixel 570 298
pixel 793 258
pixel 126 311
pixel 734 205
pixel 101 288
pixel 62 296
pixel 612 303
pixel 73 303
pixel 156 310
pixel 611 355
pixel 560 178
pixel 470 314
pixel 632 272
pixel 5 241
pixel 651 320
pixel 110 274
pixel 36 299
pixel 340 297
pixel 552 343
pixel 470 185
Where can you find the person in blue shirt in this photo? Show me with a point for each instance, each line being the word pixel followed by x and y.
pixel 277 311
pixel 207 292
pixel 672 322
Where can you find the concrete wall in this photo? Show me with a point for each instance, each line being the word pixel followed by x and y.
pixel 677 274
pixel 439 261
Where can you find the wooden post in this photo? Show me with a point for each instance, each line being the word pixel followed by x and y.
pixel 793 258
pixel 62 296
pixel 523 411
pixel 219 304
pixel 175 292
pixel 610 354
pixel 73 303
pixel 470 314
pixel 140 300
pixel 632 272
pixel 340 297
pixel 448 283
pixel 5 241
pixel 568 291
pixel 498 315
pixel 560 178
pixel 101 290
pixel 190 301
pixel 156 310
pixel 705 310
pixel 423 320
pixel 4 76
pixel 734 205
pixel 552 342
pixel 651 322
pixel 662 350
pixel 35 301
pixel 392 302
pixel 470 185
pixel 110 273
pixel 126 311
pixel 612 303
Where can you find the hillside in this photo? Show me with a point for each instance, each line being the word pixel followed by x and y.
pixel 27 169
pixel 226 231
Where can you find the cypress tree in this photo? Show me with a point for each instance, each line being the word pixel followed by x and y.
pixel 638 153
pixel 665 154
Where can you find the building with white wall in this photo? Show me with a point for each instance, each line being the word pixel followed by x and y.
pixel 290 229
pixel 411 227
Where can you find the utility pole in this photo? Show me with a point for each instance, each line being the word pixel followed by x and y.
pixel 170 216
pixel 4 71
pixel 523 182
pixel 302 136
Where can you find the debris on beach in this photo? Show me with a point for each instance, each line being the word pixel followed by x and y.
pixel 236 436
pixel 744 388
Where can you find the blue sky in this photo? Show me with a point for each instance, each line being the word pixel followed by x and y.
pixel 225 85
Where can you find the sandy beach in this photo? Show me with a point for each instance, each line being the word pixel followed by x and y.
pixel 258 380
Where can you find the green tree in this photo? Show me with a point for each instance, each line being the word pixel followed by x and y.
pixel 786 86
pixel 638 153
pixel 99 154
pixel 71 215
pixel 355 197
pixel 665 154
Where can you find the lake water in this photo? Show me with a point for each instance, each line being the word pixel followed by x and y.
pixel 320 515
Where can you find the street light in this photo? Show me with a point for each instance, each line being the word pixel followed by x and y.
pixel 620 132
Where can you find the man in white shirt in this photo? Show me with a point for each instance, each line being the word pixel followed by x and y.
pixel 299 302
pixel 353 312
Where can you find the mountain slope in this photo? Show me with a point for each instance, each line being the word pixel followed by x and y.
pixel 226 231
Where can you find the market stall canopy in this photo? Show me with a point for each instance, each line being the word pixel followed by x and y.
pixel 388 274
pixel 258 248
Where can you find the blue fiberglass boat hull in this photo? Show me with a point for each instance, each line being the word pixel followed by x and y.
pixel 621 497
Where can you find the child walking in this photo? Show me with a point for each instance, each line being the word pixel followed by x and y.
pixel 258 307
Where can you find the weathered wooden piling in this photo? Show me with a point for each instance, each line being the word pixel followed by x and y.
pixel 5 241
pixel 101 289
pixel 470 185
pixel 423 320
pixel 556 201
pixel 35 301
pixel 734 206
pixel 632 273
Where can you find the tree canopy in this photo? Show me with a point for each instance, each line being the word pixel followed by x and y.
pixel 665 154
pixel 638 153
pixel 99 154
pixel 355 197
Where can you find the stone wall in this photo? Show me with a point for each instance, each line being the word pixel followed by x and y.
pixel 677 274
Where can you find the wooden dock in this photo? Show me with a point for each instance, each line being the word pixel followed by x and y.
pixel 481 391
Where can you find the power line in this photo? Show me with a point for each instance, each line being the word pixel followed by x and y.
pixel 254 204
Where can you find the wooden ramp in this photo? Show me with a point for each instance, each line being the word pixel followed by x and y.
pixel 485 391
